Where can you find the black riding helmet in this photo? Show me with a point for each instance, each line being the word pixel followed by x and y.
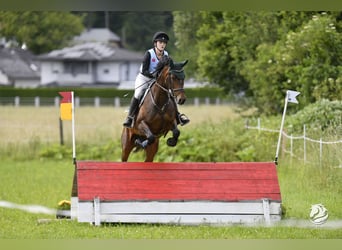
pixel 160 36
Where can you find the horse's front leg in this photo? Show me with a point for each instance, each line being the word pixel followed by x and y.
pixel 172 141
pixel 126 144
pixel 152 150
pixel 150 138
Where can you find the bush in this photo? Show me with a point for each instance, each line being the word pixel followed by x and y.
pixel 323 115
pixel 210 92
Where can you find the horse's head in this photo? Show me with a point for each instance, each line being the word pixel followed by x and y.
pixel 172 77
pixel 177 79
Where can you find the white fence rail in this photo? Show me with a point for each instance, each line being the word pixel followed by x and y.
pixel 96 101
pixel 303 137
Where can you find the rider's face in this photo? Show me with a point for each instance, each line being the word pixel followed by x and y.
pixel 160 45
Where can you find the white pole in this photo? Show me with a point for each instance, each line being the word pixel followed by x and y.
pixel 281 129
pixel 304 142
pixel 73 128
pixel 320 152
pixel 291 148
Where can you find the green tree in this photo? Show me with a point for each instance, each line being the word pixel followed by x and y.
pixel 185 26
pixel 314 58
pixel 40 31
pixel 135 28
pixel 263 53
pixel 264 74
pixel 307 60
pixel 139 28
pixel 228 39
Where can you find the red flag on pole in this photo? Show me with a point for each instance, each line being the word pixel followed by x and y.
pixel 66 106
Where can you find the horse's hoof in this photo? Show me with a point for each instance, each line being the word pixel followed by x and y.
pixel 138 143
pixel 143 144
pixel 171 142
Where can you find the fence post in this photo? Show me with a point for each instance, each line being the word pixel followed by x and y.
pixel 217 101
pixel 56 101
pixel 37 101
pixel 17 101
pixel 196 101
pixel 116 102
pixel 77 101
pixel 97 101
pixel 292 138
pixel 207 101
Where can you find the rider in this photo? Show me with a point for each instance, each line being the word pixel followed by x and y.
pixel 145 76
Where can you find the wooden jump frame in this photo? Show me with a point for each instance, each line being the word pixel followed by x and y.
pixel 176 193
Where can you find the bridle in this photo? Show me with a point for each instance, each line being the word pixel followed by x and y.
pixel 170 91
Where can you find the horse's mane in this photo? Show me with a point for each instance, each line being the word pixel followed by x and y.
pixel 165 60
pixel 175 68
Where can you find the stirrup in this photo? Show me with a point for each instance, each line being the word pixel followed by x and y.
pixel 183 119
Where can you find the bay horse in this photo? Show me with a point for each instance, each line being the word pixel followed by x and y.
pixel 157 114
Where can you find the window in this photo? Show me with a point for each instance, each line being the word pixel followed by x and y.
pixel 76 68
pixel 124 68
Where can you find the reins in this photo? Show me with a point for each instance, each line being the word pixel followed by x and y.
pixel 169 91
pixel 168 96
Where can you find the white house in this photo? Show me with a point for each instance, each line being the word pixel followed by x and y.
pixel 18 67
pixel 90 63
pixel 95 58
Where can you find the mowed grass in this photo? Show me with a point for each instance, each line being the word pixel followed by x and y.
pixel 26 180
pixel 47 182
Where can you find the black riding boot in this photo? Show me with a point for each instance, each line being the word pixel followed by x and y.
pixel 182 119
pixel 131 112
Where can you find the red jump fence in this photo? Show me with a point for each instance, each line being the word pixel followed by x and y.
pixel 179 193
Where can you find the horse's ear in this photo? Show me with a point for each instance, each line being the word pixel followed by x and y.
pixel 184 63
pixel 179 65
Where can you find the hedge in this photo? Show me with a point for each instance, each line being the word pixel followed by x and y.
pixel 100 92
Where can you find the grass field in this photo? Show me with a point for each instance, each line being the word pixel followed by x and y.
pixel 28 179
pixel 92 125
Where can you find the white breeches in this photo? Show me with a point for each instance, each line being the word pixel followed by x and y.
pixel 140 85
